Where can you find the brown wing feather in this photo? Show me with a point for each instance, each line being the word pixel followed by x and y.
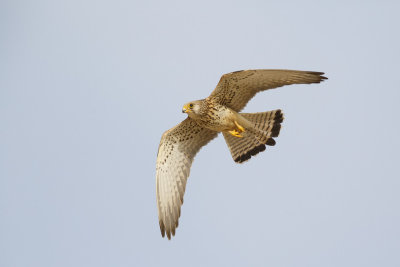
pixel 178 147
pixel 235 89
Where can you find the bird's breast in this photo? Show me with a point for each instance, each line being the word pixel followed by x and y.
pixel 217 118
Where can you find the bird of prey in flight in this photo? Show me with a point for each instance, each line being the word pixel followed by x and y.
pixel 246 134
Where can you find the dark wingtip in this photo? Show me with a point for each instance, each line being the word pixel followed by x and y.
pixel 162 228
pixel 169 235
pixel 320 76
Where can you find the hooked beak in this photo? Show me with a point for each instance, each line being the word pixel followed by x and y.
pixel 185 109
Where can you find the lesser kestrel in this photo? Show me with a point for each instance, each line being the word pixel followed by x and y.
pixel 246 134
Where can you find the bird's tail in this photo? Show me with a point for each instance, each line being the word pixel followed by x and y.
pixel 265 126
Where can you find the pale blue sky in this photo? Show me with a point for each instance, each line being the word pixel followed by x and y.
pixel 88 87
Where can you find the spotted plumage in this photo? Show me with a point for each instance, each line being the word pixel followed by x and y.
pixel 246 134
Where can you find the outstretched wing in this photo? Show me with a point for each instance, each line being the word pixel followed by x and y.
pixel 176 152
pixel 235 89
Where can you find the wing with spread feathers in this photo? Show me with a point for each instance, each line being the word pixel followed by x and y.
pixel 176 152
pixel 235 89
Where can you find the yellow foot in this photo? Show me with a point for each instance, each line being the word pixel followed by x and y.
pixel 241 129
pixel 235 133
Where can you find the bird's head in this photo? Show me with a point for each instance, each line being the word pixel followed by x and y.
pixel 192 108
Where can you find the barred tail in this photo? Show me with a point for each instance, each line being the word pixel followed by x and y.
pixel 266 125
pixel 268 122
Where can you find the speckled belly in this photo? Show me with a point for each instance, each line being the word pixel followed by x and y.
pixel 218 119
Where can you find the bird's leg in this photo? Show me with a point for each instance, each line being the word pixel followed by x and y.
pixel 241 129
pixel 235 133
pixel 238 131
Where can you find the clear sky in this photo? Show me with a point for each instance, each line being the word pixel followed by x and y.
pixel 88 87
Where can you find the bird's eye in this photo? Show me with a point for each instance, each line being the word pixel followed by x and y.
pixel 191 105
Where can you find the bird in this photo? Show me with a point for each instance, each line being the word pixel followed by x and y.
pixel 246 134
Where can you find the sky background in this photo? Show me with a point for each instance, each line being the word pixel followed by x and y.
pixel 88 87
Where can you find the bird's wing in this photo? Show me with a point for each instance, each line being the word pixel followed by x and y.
pixel 235 89
pixel 176 152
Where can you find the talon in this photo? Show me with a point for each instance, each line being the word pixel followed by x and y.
pixel 235 133
pixel 241 129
